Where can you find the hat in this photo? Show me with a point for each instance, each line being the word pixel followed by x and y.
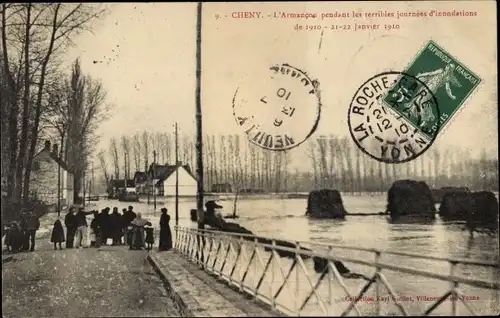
pixel 164 209
pixel 212 204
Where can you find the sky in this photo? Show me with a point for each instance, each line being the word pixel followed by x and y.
pixel 144 55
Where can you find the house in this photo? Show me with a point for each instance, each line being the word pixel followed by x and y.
pixel 155 174
pixel 44 177
pixel 222 188
pixel 118 186
pixel 141 182
pixel 163 177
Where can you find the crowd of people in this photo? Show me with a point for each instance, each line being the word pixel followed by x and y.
pixel 21 235
pixel 126 228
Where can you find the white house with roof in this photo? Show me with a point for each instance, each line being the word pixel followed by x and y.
pixel 44 177
pixel 165 178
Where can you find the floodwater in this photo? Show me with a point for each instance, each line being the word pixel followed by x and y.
pixel 285 219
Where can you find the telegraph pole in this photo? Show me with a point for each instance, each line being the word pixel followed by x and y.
pixel 59 184
pixel 176 178
pixel 154 173
pixel 199 131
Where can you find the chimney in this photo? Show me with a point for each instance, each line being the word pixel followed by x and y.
pixel 47 145
pixel 55 150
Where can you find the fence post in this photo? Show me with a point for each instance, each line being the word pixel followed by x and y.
pixel 330 280
pixel 297 286
pixel 454 286
pixel 176 237
pixel 273 300
pixel 377 281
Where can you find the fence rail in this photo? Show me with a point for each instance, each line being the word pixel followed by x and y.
pixel 261 270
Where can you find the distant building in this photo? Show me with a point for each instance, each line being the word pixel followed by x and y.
pixel 222 188
pixel 161 178
pixel 140 181
pixel 118 186
pixel 187 182
pixel 44 177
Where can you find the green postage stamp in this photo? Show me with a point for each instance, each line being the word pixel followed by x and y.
pixel 450 82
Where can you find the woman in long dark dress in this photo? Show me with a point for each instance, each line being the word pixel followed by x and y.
pixel 165 233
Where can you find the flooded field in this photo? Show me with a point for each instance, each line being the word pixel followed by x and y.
pixel 285 219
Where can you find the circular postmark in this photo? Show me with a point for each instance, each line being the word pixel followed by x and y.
pixel 393 117
pixel 279 109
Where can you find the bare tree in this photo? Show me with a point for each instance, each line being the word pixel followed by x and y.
pixel 104 167
pixel 125 145
pixel 76 107
pixel 322 161
pixel 137 151
pixel 239 173
pixel 33 35
pixel 113 151
pixel 169 148
pixel 312 155
pixel 145 147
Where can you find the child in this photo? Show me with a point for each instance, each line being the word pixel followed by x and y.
pixel 57 236
pixel 150 239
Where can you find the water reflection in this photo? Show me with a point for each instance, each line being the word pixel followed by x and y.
pixel 411 220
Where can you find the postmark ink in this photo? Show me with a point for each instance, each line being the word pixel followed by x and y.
pixel 382 132
pixel 280 109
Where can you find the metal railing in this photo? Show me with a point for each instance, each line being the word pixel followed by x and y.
pixel 257 266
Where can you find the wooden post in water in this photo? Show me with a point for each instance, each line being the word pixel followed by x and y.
pixel 176 178
pixel 199 131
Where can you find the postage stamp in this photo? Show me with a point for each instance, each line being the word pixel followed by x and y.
pixel 381 132
pixel 280 109
pixel 448 79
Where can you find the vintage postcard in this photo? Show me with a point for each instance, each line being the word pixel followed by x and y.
pixel 326 158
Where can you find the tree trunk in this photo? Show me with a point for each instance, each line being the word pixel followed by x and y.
pixel 23 142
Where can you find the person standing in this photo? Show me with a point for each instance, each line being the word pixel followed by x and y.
pixel 105 225
pixel 128 217
pixel 30 224
pixel 57 236
pixel 96 228
pixel 81 229
pixel 14 238
pixel 124 225
pixel 70 223
pixel 165 232
pixel 150 237
pixel 116 226
pixel 138 233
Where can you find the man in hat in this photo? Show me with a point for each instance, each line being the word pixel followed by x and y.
pixel 30 224
pixel 70 223
pixel 211 206
pixel 127 218
pixel 210 217
pixel 81 227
